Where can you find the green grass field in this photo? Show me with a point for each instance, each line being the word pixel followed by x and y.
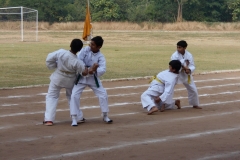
pixel 128 53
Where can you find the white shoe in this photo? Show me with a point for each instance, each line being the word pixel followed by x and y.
pixel 107 120
pixel 74 121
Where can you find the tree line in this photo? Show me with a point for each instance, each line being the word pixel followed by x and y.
pixel 133 10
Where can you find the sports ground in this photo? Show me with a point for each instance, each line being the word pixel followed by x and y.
pixel 210 133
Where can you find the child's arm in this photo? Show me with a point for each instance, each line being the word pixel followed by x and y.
pixel 51 60
pixel 157 100
pixel 186 68
pixel 169 85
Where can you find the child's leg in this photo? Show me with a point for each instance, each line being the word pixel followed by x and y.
pixel 178 104
pixel 192 94
pixel 152 110
pixel 75 101
pixel 172 105
pixel 162 108
pixel 51 102
pixel 149 103
pixel 101 93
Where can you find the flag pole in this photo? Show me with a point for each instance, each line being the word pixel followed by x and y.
pixel 87 30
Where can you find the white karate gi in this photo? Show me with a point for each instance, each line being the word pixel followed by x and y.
pixel 162 90
pixel 66 65
pixel 89 58
pixel 183 77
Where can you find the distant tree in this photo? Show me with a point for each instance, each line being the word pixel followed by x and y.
pixel 234 5
pixel 207 11
pixel 138 11
pixel 124 6
pixel 180 10
pixel 4 3
pixel 105 10
pixel 161 11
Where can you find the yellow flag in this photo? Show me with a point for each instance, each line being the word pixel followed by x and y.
pixel 87 25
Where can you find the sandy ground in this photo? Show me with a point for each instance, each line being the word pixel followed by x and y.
pixel 186 134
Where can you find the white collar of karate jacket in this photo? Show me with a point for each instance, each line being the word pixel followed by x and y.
pixel 73 55
pixel 185 56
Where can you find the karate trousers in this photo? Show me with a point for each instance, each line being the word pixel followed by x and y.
pixel 52 100
pixel 147 99
pixel 100 92
pixel 192 93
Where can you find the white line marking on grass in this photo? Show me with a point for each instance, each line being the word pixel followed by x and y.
pixel 224 155
pixel 135 143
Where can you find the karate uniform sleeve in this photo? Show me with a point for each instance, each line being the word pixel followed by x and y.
pixel 81 54
pixel 102 66
pixel 166 97
pixel 51 61
pixel 80 66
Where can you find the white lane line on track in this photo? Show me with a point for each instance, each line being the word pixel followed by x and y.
pixel 223 155
pixel 179 89
pixel 111 105
pixel 124 87
pixel 121 145
pixel 125 126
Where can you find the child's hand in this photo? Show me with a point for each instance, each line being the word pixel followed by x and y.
pixel 93 68
pixel 187 71
pixel 157 100
pixel 85 72
pixel 187 62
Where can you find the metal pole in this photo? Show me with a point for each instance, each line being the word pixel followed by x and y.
pixel 37 26
pixel 22 22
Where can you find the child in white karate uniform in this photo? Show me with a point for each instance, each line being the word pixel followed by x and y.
pixel 66 65
pixel 185 75
pixel 95 66
pixel 159 95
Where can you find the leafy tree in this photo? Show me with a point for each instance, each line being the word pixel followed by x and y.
pixel 4 3
pixel 180 9
pixel 206 10
pixel 138 11
pixel 105 10
pixel 132 10
pixel 163 11
pixel 235 6
pixel 124 6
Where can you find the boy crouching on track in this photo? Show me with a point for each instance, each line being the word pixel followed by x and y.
pixel 159 95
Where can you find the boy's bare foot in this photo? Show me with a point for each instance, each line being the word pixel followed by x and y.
pixel 163 108
pixel 153 109
pixel 177 103
pixel 197 107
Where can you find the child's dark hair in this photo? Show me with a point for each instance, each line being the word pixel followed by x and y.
pixel 76 45
pixel 176 64
pixel 98 40
pixel 182 43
